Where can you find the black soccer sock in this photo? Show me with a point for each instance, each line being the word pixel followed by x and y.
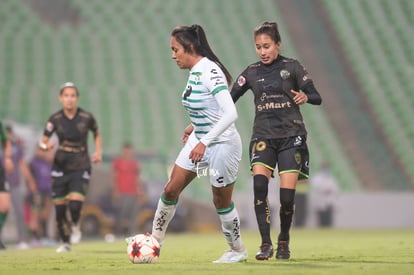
pixel 261 206
pixel 287 200
pixel 3 216
pixel 75 208
pixel 62 223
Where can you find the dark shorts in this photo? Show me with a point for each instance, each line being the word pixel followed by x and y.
pixel 3 184
pixel 76 182
pixel 290 154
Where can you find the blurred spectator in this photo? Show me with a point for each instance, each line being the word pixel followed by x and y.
pixel 40 203
pixel 17 190
pixel 127 190
pixel 324 190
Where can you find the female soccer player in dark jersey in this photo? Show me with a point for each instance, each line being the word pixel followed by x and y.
pixel 6 165
pixel 212 144
pixel 279 85
pixel 72 164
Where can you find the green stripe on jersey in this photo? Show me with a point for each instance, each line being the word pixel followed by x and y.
pixel 203 124
pixel 197 116
pixel 195 109
pixel 195 82
pixel 218 89
pixel 194 100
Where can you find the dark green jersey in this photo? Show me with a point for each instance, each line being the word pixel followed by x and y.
pixel 3 136
pixel 72 153
pixel 277 115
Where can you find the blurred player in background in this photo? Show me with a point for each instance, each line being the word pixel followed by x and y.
pixel 5 166
pixel 211 142
pixel 324 192
pixel 17 189
pixel 279 134
pixel 72 165
pixel 41 203
pixel 127 190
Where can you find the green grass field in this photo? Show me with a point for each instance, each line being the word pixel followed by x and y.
pixel 313 252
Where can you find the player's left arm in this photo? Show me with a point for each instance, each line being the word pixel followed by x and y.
pixel 97 156
pixel 305 83
pixel 229 116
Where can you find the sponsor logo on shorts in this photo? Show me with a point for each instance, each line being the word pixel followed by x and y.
pixel 298 157
pixel 56 174
pixel 260 146
pixel 298 141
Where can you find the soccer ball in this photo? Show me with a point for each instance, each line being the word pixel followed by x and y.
pixel 143 249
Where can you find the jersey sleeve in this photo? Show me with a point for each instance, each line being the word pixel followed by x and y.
pixel 93 125
pixel 228 117
pixel 3 136
pixel 217 85
pixel 240 86
pixel 216 81
pixel 50 127
pixel 305 83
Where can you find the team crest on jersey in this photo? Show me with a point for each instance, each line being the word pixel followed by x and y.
pixel 188 91
pixel 285 74
pixel 241 81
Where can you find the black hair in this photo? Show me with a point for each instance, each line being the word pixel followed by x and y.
pixel 193 38
pixel 269 28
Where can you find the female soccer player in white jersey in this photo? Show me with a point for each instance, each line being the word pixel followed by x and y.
pixel 211 140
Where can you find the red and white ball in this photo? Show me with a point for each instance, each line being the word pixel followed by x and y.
pixel 143 249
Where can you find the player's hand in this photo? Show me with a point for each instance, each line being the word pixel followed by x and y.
pixel 96 157
pixel 198 152
pixel 187 132
pixel 184 138
pixel 299 98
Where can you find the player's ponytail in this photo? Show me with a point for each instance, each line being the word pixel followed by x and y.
pixel 195 36
pixel 269 28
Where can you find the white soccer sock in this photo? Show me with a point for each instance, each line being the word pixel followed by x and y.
pixel 230 225
pixel 162 217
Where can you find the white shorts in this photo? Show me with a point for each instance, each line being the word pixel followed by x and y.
pixel 220 161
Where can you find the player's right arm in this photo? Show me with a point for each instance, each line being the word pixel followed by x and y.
pixel 240 86
pixel 44 142
pixel 7 148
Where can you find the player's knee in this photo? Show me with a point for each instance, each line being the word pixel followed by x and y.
pixel 260 185
pixel 75 206
pixel 170 194
pixel 60 213
pixel 287 200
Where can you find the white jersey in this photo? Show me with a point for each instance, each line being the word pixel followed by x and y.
pixel 206 79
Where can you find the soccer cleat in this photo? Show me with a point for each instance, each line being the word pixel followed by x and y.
pixel 63 248
pixel 231 256
pixel 282 252
pixel 76 234
pixel 265 252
